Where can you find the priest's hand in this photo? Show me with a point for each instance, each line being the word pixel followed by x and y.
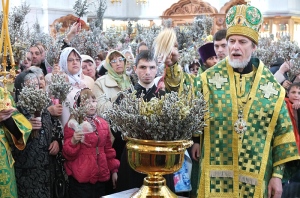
pixel 6 113
pixel 274 188
pixel 173 57
pixel 196 151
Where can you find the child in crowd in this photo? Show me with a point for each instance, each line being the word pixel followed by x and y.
pixel 90 158
pixel 293 98
pixel 291 188
pixel 194 67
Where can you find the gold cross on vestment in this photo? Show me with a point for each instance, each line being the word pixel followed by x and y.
pixel 218 80
pixel 268 90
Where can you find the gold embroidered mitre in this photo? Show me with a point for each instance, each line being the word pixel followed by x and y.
pixel 244 20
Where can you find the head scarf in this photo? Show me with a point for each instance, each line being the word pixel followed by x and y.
pixel 19 82
pixel 122 80
pixel 63 64
pixel 88 58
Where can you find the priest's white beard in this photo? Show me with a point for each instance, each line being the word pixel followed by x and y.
pixel 238 63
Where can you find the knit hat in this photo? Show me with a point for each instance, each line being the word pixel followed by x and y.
pixel 244 20
pixel 206 51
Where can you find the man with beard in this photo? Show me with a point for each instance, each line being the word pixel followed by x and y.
pixel 220 44
pixel 249 136
pixel 39 58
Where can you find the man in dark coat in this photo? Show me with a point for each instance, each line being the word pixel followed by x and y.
pixel 146 69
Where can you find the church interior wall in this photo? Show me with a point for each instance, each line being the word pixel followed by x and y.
pixel 46 11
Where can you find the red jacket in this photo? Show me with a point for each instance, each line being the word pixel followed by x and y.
pixel 82 161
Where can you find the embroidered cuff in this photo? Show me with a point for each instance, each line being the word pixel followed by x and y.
pixel 278 171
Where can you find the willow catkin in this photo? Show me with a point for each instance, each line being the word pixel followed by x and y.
pixel 164 43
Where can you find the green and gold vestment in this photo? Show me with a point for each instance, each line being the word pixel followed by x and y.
pixel 176 79
pixel 8 186
pixel 241 166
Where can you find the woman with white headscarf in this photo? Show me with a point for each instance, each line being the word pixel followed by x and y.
pixel 89 67
pixel 70 63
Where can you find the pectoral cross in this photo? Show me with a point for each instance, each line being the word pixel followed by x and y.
pixel 218 80
pixel 268 90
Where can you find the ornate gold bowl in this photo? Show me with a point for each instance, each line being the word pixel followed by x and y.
pixel 155 158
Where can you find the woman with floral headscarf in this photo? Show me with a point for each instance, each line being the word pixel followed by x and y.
pixel 70 63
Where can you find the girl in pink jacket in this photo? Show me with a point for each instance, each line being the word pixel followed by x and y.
pixel 90 158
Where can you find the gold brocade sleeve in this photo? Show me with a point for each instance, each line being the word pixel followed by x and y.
pixel 177 80
pixel 173 77
pixel 284 145
pixel 25 128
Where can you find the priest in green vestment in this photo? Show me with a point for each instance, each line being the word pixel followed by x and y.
pixel 15 129
pixel 249 135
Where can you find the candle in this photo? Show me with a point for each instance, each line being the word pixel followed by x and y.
pixel 1 38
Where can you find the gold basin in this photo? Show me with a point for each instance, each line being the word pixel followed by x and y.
pixel 155 158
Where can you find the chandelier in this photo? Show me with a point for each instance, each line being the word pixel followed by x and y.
pixel 115 1
pixel 141 1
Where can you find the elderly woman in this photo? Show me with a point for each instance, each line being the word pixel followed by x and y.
pixel 55 110
pixel 70 63
pixel 34 166
pixel 40 75
pixel 89 67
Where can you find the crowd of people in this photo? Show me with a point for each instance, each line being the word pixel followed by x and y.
pixel 249 148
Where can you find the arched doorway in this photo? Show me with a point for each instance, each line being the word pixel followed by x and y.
pixel 185 11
